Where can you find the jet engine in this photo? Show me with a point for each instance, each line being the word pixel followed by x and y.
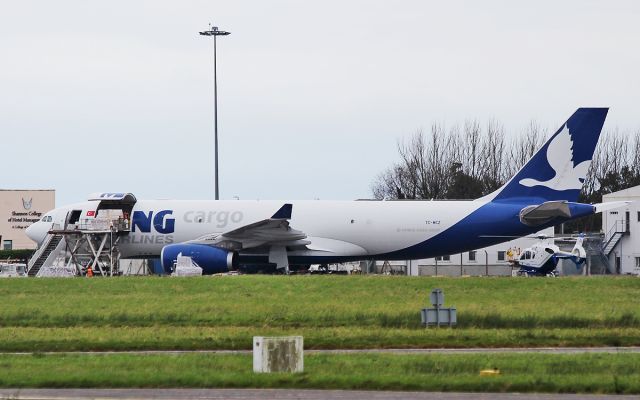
pixel 211 259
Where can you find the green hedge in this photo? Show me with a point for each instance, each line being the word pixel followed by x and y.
pixel 23 254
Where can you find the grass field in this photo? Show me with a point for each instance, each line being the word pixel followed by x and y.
pixel 329 311
pixel 586 373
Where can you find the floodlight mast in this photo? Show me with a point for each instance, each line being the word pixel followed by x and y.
pixel 213 31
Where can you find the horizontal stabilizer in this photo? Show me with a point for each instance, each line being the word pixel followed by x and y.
pixel 538 215
pixel 612 205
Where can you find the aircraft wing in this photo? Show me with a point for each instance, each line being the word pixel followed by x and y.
pixel 274 231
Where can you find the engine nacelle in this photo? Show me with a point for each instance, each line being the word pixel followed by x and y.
pixel 211 259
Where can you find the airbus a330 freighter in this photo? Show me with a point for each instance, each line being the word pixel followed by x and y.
pixel 222 235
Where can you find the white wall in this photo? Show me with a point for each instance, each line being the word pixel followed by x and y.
pixel 628 249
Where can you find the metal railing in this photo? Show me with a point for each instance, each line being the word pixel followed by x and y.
pixel 103 224
pixel 36 255
pixel 620 226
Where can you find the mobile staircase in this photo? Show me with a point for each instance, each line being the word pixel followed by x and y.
pixel 40 257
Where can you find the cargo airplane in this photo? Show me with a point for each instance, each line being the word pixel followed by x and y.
pixel 223 235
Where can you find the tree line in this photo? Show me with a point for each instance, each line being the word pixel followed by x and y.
pixel 471 160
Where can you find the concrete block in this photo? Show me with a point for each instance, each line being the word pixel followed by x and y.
pixel 278 354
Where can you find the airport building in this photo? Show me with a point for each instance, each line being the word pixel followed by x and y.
pixel 621 229
pixel 18 210
pixel 488 261
pixel 493 260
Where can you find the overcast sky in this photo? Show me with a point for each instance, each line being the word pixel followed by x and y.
pixel 313 96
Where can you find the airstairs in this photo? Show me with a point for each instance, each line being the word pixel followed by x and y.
pixel 46 252
pixel 612 242
pixel 617 231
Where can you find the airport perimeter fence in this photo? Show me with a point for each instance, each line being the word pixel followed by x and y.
pixel 445 270
pixel 465 270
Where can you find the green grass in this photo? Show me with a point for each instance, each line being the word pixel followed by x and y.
pixel 329 311
pixel 239 338
pixel 585 373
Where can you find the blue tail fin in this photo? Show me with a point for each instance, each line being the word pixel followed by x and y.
pixel 558 170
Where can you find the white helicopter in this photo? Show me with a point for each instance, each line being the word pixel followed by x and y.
pixel 541 259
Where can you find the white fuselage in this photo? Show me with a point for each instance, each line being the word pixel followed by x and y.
pixel 375 227
pixel 334 228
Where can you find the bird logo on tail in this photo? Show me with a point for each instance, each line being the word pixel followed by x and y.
pixel 567 176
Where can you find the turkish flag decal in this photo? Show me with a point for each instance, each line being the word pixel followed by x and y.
pixel 91 213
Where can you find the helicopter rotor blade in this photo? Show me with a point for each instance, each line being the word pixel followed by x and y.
pixel 540 237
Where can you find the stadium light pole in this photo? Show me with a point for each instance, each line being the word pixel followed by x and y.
pixel 213 31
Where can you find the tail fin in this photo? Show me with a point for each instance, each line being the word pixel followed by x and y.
pixel 558 170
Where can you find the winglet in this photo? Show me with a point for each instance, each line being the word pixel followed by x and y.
pixel 284 212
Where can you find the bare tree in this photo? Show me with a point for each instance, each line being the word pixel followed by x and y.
pixel 471 146
pixel 493 174
pixel 391 184
pixel 524 146
pixel 635 152
pixel 467 161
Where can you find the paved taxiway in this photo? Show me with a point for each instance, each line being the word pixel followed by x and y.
pixel 284 394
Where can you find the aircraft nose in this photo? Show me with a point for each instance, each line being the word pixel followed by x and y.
pixel 29 231
pixel 34 232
